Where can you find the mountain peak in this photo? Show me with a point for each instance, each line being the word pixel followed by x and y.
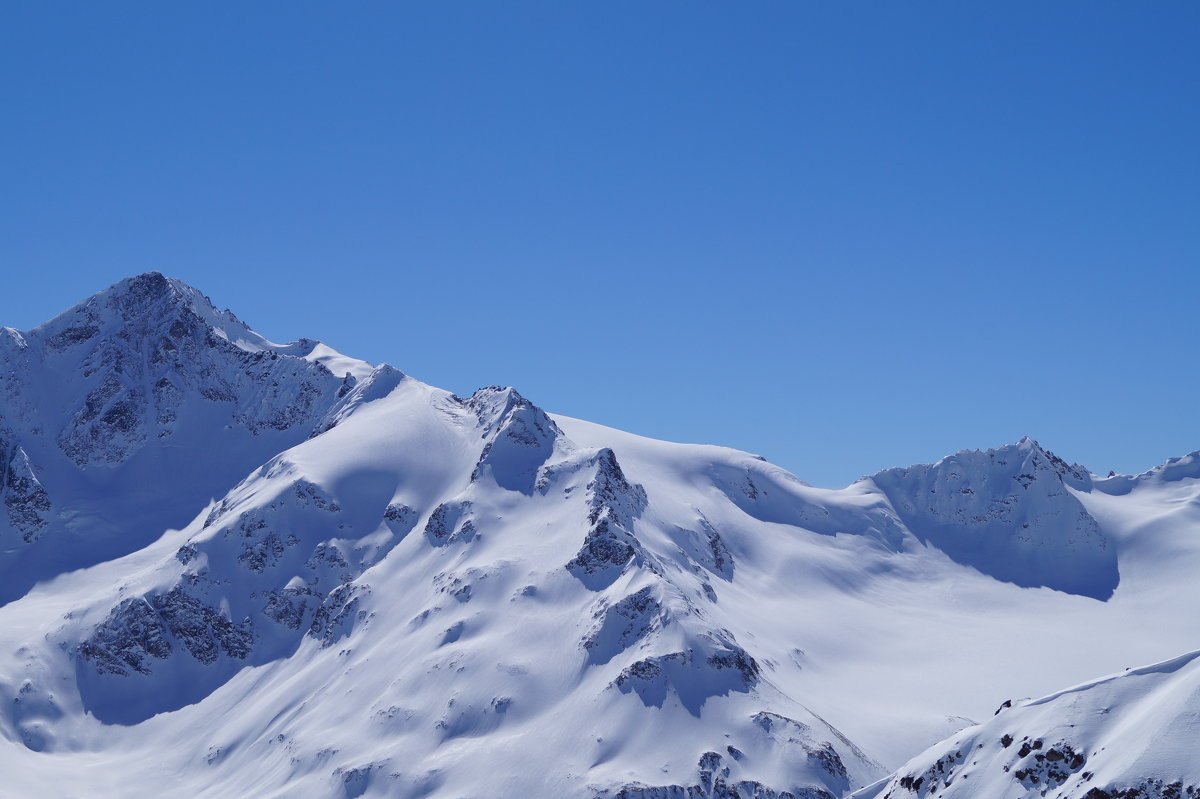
pixel 138 350
pixel 1033 457
pixel 1006 513
pixel 1026 454
pixel 138 295
pixel 151 310
pixel 145 305
pixel 153 297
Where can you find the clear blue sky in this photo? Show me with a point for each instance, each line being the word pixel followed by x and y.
pixel 843 235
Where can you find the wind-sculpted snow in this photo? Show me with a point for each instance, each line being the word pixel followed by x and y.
pixel 246 569
pixel 1185 468
pixel 1129 736
pixel 355 393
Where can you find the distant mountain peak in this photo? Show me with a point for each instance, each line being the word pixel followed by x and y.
pixel 1025 453
pixel 148 304
pixel 149 372
pixel 1008 513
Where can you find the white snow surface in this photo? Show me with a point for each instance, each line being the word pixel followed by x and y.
pixel 230 567
pixel 1132 734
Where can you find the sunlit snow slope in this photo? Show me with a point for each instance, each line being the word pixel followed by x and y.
pixel 235 568
pixel 1134 735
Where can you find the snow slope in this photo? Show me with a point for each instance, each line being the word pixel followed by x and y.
pixel 1132 735
pixel 237 568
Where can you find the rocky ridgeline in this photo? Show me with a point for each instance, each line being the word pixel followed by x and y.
pixel 1037 769
pixel 26 502
pixel 620 625
pixel 720 774
pixel 610 545
pixel 150 347
pixel 140 630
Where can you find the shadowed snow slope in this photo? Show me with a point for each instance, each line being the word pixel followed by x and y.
pixel 239 568
pixel 1009 513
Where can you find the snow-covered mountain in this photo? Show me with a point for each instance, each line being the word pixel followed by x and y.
pixel 125 414
pixel 235 568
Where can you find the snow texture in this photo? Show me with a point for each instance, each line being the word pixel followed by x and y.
pixel 1128 736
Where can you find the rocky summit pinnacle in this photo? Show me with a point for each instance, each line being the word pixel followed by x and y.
pixel 141 307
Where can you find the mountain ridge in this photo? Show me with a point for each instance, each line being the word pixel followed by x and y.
pixel 372 586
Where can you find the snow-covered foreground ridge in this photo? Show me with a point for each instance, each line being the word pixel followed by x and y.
pixel 230 567
pixel 1129 736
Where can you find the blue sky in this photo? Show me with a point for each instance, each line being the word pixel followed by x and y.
pixel 843 235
